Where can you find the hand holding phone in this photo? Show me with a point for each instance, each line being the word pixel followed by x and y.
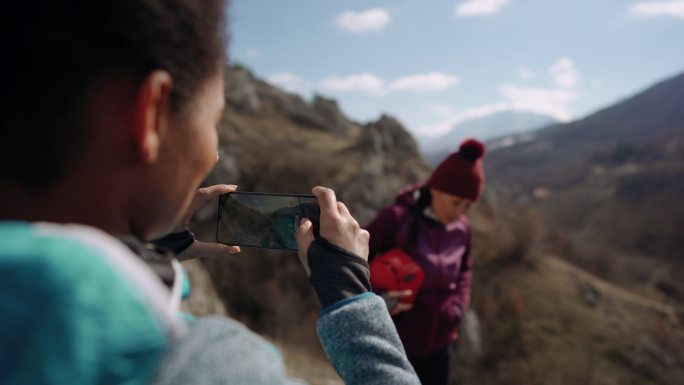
pixel 336 225
pixel 199 249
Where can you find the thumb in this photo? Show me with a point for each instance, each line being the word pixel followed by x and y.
pixel 304 238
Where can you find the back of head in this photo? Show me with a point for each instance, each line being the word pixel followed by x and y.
pixel 55 52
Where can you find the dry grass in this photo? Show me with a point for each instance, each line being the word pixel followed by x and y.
pixel 556 324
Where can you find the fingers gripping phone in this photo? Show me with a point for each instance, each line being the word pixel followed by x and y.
pixel 264 220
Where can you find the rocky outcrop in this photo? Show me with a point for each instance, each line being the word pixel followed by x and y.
pixel 272 140
pixel 387 137
pixel 330 113
pixel 246 94
pixel 389 161
pixel 241 91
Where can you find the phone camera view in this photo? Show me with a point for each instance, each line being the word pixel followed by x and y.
pixel 264 220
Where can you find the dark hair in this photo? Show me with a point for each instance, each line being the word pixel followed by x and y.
pixel 55 50
pixel 424 200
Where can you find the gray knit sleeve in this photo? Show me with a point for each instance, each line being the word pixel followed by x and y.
pixel 357 334
pixel 362 343
pixel 219 350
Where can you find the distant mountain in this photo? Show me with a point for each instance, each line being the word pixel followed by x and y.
pixel 647 126
pixel 486 128
pixel 610 188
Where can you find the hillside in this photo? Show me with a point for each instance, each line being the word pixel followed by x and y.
pixel 550 322
pixel 609 188
pixel 541 319
pixel 544 320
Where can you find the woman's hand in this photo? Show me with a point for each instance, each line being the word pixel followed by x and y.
pixel 202 196
pixel 203 249
pixel 337 226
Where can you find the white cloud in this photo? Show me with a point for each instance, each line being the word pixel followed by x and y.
pixel 374 19
pixel 375 85
pixel 543 101
pixel 290 82
pixel 553 102
pixel 673 8
pixel 524 73
pixel 364 82
pixel 564 73
pixel 479 7
pixel 433 81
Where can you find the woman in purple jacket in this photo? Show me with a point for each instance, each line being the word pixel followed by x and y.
pixel 428 223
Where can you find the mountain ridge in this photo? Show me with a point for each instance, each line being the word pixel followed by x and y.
pixel 609 186
pixel 650 116
pixel 488 128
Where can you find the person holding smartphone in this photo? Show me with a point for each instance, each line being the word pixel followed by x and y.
pixel 428 223
pixel 109 111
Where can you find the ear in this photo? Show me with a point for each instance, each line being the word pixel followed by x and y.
pixel 152 107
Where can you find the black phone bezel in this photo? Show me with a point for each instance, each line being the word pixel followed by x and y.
pixel 218 216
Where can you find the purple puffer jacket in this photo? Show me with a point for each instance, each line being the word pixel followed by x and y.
pixel 444 254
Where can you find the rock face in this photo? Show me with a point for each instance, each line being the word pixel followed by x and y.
pixel 389 161
pixel 387 136
pixel 276 141
pixel 241 92
pixel 331 114
pixel 247 95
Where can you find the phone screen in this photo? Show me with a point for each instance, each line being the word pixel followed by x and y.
pixel 263 220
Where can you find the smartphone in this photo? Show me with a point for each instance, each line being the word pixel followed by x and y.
pixel 264 220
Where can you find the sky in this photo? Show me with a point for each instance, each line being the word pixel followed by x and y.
pixel 434 64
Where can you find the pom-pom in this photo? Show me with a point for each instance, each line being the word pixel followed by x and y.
pixel 471 149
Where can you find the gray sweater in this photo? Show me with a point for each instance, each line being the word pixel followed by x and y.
pixel 357 335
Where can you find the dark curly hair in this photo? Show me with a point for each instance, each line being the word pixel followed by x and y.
pixel 54 50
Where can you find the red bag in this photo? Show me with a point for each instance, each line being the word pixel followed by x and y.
pixel 395 270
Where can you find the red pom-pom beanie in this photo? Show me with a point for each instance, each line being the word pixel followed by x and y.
pixel 461 173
